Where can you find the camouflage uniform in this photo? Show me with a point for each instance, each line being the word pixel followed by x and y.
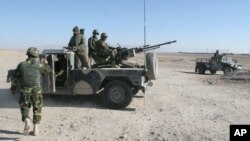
pixel 61 71
pixel 216 56
pixel 28 74
pixel 104 55
pixel 92 43
pixel 81 54
pixel 92 47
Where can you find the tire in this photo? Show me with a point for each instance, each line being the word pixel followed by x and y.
pixel 213 71
pixel 201 70
pixel 135 91
pixel 152 66
pixel 117 95
pixel 227 70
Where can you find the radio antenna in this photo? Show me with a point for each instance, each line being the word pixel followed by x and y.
pixel 145 39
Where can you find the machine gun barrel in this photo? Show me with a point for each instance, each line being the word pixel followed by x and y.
pixel 158 45
pixel 152 48
pixel 69 48
pixel 148 47
pixel 66 48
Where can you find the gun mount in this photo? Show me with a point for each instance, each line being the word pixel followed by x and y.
pixel 125 53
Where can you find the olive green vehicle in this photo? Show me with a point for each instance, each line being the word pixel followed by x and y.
pixel 117 86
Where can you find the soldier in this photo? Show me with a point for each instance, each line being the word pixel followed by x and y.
pixel 216 54
pixel 92 44
pixel 61 70
pixel 78 45
pixel 28 74
pixel 105 54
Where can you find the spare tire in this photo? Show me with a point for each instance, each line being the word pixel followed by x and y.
pixel 151 65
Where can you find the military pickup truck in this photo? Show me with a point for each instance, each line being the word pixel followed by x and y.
pixel 115 85
pixel 223 63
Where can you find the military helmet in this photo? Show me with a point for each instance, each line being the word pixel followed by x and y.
pixel 95 31
pixel 104 35
pixel 33 51
pixel 76 29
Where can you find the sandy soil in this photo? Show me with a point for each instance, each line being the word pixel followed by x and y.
pixel 181 105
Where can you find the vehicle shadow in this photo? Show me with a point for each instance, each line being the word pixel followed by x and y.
pixel 90 101
pixel 85 101
pixel 189 72
pixel 7 100
pixel 138 96
pixel 9 139
pixel 9 132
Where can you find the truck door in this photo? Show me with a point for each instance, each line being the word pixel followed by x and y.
pixel 48 80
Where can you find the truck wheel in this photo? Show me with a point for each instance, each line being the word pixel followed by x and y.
pixel 227 70
pixel 117 95
pixel 201 70
pixel 152 65
pixel 213 71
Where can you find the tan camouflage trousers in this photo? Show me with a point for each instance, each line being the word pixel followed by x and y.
pixel 31 96
pixel 82 60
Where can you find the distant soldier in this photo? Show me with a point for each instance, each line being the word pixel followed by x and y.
pixel 78 44
pixel 92 44
pixel 216 54
pixel 105 54
pixel 28 74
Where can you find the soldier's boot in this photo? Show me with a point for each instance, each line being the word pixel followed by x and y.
pixel 27 126
pixel 36 129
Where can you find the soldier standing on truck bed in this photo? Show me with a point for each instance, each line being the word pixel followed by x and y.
pixel 28 74
pixel 105 54
pixel 92 44
pixel 217 56
pixel 78 45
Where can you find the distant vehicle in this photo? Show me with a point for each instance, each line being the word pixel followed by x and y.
pixel 222 63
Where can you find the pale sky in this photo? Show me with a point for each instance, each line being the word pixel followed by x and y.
pixel 197 25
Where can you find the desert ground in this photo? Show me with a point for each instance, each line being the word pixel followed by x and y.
pixel 181 106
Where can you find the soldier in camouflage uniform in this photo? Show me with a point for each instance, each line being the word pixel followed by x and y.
pixel 61 70
pixel 92 44
pixel 78 44
pixel 28 74
pixel 217 56
pixel 105 54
